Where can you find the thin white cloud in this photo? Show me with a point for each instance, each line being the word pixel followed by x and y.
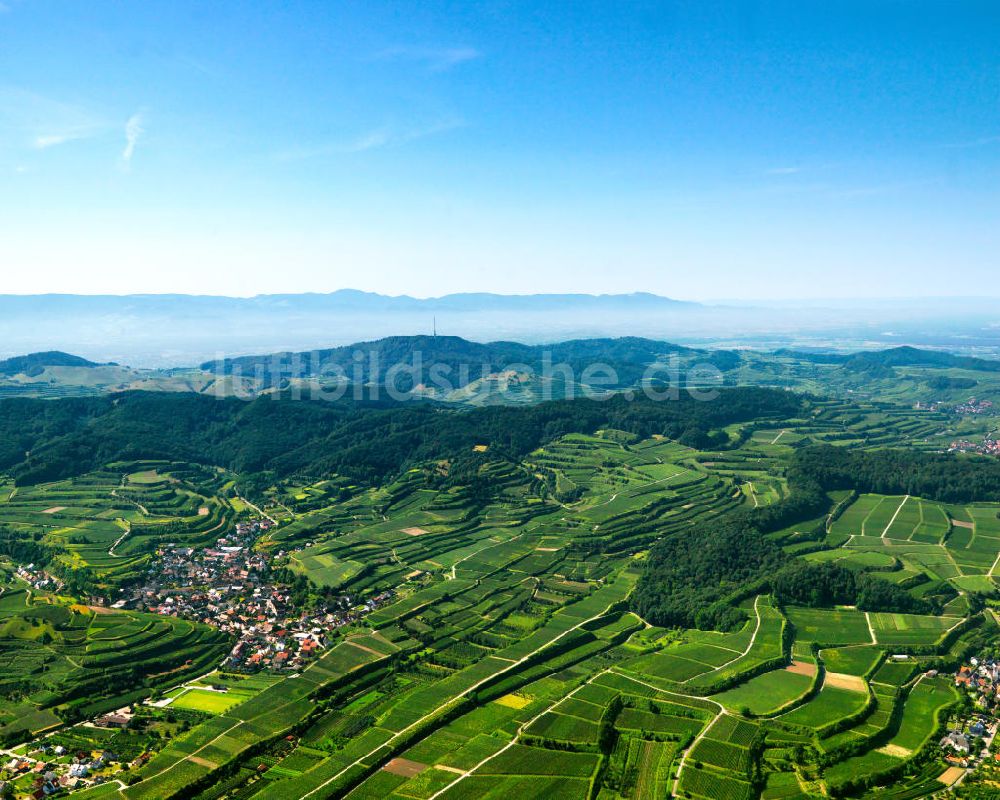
pixel 42 122
pixel 437 59
pixel 880 189
pixel 784 171
pixel 380 137
pixel 393 138
pixel 981 142
pixel 133 130
pixel 47 140
pixel 375 139
pixel 197 65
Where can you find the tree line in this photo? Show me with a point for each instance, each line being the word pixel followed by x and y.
pixel 369 441
pixel 946 477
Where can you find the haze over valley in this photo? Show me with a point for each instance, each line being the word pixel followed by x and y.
pixel 182 331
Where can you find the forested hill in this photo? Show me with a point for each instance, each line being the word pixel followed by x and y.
pixel 456 370
pixel 896 357
pixel 48 439
pixel 937 476
pixel 36 362
pixel 466 361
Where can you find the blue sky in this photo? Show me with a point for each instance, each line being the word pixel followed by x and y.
pixel 699 150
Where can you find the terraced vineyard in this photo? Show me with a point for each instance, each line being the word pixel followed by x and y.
pixel 80 661
pixel 510 659
pixel 106 524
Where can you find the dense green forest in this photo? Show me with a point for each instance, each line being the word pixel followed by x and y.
pixel 947 477
pixel 690 579
pixel 828 584
pixel 687 576
pixel 459 361
pixel 369 441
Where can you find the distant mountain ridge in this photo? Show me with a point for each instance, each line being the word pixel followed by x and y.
pixel 146 330
pixel 443 365
pixel 342 299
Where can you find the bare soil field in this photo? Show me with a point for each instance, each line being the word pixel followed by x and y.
pixel 950 775
pixel 404 767
pixel 841 680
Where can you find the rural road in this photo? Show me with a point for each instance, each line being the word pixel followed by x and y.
pixel 455 698
pixel 749 646
pixel 894 519
pixel 517 736
pixel 259 511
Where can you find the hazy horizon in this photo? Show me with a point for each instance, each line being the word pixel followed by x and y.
pixel 833 299
pixel 184 330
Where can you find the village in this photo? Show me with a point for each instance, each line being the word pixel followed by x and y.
pixel 38 578
pixel 229 587
pixel 987 447
pixel 974 406
pixel 967 743
pixel 49 769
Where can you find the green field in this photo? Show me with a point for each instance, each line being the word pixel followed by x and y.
pixel 205 700
pixel 766 693
pixel 830 628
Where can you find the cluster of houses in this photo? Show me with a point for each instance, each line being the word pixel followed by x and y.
pixel 228 586
pixel 970 406
pixel 981 678
pixel 272 635
pixel 248 530
pixel 989 447
pixel 48 767
pixel 45 778
pixel 974 406
pixel 231 562
pixel 39 578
